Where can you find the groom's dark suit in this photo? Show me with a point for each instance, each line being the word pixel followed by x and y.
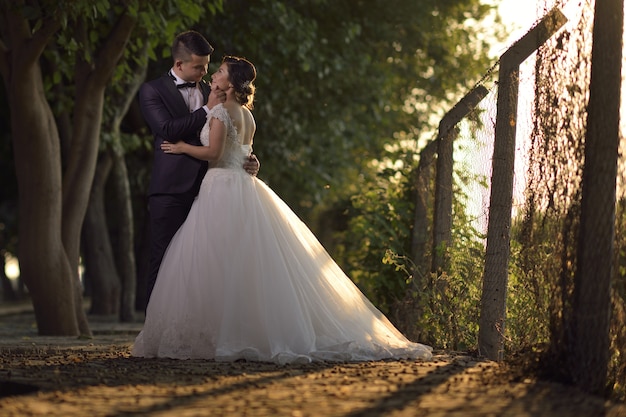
pixel 175 179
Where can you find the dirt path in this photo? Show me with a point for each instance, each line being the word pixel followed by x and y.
pixel 97 377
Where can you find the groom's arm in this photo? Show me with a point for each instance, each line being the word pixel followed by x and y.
pixel 161 120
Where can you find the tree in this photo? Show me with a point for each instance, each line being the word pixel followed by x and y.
pixel 52 204
pixel 588 347
pixel 56 147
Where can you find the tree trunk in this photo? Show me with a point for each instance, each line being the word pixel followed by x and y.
pixel 52 206
pixel 44 265
pixel 78 177
pixel 125 242
pixel 124 236
pixel 589 344
pixel 104 282
pixel 142 255
pixel 91 78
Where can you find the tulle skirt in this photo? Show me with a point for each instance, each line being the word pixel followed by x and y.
pixel 244 278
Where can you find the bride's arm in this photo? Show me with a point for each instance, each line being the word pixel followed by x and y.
pixel 213 151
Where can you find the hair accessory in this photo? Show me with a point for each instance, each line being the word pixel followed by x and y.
pixel 245 84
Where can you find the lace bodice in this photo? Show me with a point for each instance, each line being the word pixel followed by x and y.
pixel 235 152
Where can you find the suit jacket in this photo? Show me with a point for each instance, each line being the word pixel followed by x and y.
pixel 168 117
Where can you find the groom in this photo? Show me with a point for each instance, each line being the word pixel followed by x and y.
pixel 175 107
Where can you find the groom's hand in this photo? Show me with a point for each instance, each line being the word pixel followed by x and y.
pixel 216 97
pixel 252 165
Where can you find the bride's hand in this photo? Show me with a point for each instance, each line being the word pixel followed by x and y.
pixel 173 148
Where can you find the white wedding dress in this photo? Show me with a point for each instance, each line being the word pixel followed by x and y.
pixel 244 278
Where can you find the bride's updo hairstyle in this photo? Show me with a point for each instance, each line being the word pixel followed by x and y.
pixel 242 74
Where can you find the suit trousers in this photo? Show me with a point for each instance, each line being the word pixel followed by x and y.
pixel 167 213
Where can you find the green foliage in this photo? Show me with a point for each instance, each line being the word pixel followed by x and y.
pixel 533 280
pixel 617 365
pixel 93 23
pixel 378 232
pixel 443 308
pixel 541 283
pixel 83 28
pixel 454 306
pixel 338 79
pixel 438 308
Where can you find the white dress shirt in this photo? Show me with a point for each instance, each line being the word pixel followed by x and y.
pixel 192 96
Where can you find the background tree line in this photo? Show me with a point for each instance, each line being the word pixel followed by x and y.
pixel 338 83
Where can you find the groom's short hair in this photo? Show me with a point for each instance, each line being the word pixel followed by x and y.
pixel 188 43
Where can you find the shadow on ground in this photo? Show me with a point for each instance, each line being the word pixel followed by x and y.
pixel 97 377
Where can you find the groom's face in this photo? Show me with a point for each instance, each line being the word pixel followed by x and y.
pixel 194 69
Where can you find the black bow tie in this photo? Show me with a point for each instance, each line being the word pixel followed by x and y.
pixel 186 85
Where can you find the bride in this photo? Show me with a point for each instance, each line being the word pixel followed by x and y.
pixel 244 278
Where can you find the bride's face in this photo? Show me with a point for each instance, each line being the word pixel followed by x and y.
pixel 220 78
